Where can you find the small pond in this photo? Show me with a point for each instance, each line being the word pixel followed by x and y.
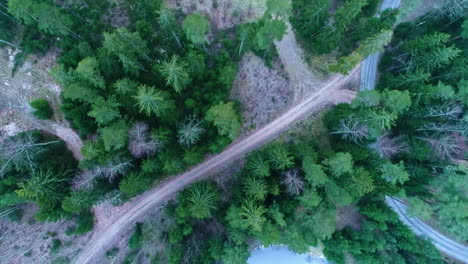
pixel 282 255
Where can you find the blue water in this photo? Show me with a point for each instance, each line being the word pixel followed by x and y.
pixel 281 255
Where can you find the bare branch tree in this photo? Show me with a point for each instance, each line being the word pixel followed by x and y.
pixel 454 9
pixel 293 182
pixel 446 110
pixel 85 180
pixel 114 167
pixel 141 144
pixel 352 129
pixel 459 127
pixel 388 147
pixel 447 146
pixel 190 131
pixel 21 150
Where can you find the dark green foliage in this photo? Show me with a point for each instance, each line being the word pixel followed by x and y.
pixel 7 25
pixel 84 223
pixel 197 201
pixel 56 245
pixel 135 239
pixel 42 108
pixel 135 183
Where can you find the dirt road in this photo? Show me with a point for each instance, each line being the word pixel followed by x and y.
pixel 103 240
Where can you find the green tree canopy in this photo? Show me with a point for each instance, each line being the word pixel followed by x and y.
pixel 128 46
pixel 199 200
pixel 340 164
pixel 270 31
pixel 195 27
pixel 225 118
pixel 105 111
pixel 88 69
pixel 175 72
pixel 394 173
pixel 151 100
pixel 115 136
pixel 253 215
pixel 48 17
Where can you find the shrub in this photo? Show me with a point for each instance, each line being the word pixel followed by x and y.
pixel 84 224
pixel 42 109
pixel 56 245
pixel 135 239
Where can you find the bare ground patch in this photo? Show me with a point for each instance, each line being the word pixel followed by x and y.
pixel 222 13
pixel 29 241
pixel 32 81
pixel 263 92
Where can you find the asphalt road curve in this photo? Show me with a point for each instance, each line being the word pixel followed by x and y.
pixel 369 65
pixel 447 246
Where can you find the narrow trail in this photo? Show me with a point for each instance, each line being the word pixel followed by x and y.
pixel 101 241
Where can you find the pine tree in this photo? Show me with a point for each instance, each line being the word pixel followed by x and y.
pixel 175 72
pixel 253 215
pixel 195 27
pixel 258 165
pixel 88 69
pixel 153 101
pixel 105 111
pixel 128 46
pixel 190 131
pixel 201 199
pixel 225 118
pixel 270 31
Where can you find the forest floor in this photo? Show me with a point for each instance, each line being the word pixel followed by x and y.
pixel 29 241
pixel 222 13
pixel 29 82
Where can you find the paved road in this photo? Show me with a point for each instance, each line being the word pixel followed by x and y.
pixel 443 243
pixel 102 241
pixel 369 65
pixel 447 246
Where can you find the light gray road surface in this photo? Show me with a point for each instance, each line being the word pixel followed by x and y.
pixel 369 65
pixel 447 246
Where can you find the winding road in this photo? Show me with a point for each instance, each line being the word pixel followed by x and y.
pixel 444 244
pixel 449 247
pixel 103 240
pixel 369 65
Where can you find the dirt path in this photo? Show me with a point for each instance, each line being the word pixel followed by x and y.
pixel 32 81
pixel 101 241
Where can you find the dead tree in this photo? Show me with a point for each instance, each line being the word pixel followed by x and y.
pixel 293 182
pixel 352 129
pixel 114 167
pixel 21 150
pixel 141 144
pixel 190 131
pixel 448 111
pixel 458 127
pixel 388 147
pixel 447 146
